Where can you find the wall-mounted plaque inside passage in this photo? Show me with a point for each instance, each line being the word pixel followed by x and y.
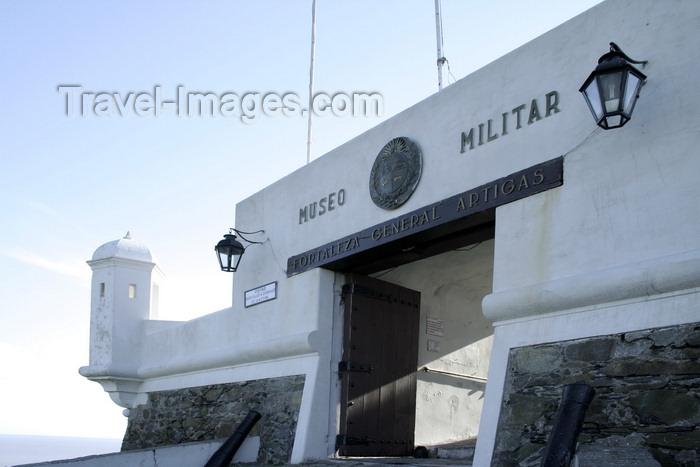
pixel 395 173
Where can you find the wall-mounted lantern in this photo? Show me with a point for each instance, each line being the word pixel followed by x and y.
pixel 613 88
pixel 229 251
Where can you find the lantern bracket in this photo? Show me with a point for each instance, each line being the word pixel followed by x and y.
pixel 615 49
pixel 240 233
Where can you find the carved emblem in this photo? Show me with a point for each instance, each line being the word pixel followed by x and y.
pixel 395 173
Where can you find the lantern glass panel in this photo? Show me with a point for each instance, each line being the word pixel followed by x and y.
pixel 229 262
pixel 631 92
pixel 223 259
pixel 593 99
pixel 614 121
pixel 610 86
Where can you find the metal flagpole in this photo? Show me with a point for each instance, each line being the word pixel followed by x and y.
pixel 311 79
pixel 438 31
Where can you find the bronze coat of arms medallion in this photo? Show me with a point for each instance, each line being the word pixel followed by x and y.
pixel 395 173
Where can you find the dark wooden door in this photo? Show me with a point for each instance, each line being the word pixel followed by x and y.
pixel 378 369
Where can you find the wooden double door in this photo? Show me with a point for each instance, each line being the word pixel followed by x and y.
pixel 378 368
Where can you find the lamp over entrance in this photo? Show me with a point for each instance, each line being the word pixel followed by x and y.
pixel 229 251
pixel 611 91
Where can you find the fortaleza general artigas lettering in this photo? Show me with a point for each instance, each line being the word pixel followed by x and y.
pixel 490 193
pixel 513 119
pixel 325 252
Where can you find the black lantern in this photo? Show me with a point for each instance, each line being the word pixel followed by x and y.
pixel 229 251
pixel 613 88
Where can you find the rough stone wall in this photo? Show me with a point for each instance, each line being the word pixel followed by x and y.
pixel 647 395
pixel 213 412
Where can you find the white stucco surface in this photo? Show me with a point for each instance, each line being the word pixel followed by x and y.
pixel 615 248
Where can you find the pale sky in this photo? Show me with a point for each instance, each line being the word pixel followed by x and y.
pixel 70 184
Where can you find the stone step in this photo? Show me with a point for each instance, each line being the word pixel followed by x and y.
pixel 460 450
pixel 459 453
pixel 456 453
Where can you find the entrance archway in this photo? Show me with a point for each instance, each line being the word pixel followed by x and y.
pixel 454 339
pixel 454 344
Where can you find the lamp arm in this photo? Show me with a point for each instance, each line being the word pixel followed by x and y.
pixel 616 48
pixel 239 233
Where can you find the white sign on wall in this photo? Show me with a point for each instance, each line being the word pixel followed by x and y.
pixel 261 294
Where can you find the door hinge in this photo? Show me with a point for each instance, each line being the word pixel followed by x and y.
pixel 345 440
pixel 365 292
pixel 352 366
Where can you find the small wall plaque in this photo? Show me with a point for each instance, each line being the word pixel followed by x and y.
pixel 261 294
pixel 434 326
pixel 433 346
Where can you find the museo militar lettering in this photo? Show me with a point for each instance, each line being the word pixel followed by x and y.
pixel 513 119
pixel 322 206
pixel 513 187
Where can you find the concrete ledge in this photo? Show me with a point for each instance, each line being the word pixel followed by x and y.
pixel 644 279
pixel 282 347
pixel 167 456
pixel 226 356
